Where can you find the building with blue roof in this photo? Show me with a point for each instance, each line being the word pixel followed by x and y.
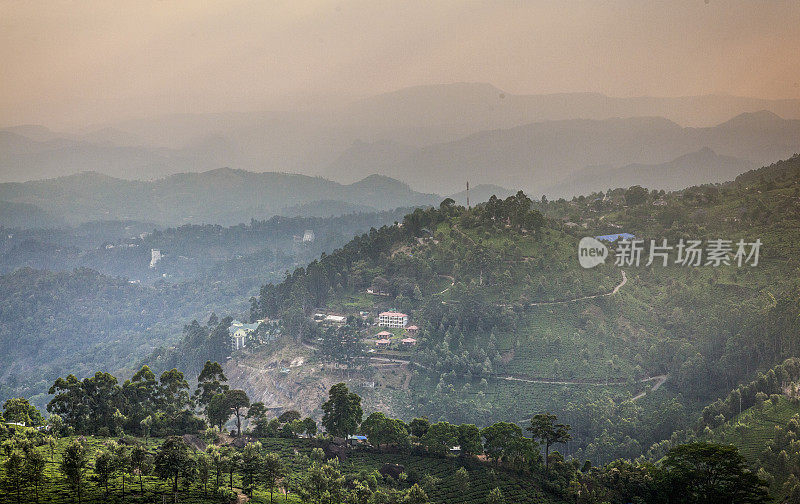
pixel 614 237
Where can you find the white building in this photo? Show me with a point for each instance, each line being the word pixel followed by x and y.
pixel 239 332
pixel 155 257
pixel 308 236
pixel 393 319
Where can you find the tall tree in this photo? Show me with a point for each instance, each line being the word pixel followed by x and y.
pixel 69 402
pixel 544 428
pixel 102 396
pixel 140 395
pixel 74 462
pixel 218 410
pixel 210 382
pixel 174 392
pixel 19 410
pixel 140 464
pixel 272 471
pixel 499 438
pixel 172 461
pixel 711 474
pixel 34 471
pixel 104 468
pixel 237 402
pixel 341 412
pixel 250 466
pixel 14 474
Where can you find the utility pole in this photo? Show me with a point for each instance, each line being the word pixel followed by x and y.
pixel 467 194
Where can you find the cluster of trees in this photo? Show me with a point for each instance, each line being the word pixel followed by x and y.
pixel 146 405
pixel 690 473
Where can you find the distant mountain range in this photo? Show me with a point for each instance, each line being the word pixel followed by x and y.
pixel 221 196
pixel 701 167
pixel 540 155
pixel 434 138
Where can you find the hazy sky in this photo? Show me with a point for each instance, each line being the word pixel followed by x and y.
pixel 66 63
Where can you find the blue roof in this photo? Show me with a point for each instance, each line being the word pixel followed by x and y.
pixel 358 438
pixel 615 237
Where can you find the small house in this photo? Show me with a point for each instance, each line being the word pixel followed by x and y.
pixel 383 343
pixel 408 341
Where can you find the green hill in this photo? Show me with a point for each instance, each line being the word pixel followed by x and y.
pixel 523 328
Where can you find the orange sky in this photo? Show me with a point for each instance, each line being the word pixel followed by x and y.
pixel 71 63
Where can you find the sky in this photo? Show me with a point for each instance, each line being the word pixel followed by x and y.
pixel 74 63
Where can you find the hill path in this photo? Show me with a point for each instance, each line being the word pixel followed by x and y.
pixel 582 298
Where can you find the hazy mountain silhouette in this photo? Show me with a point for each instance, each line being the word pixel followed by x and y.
pixel 223 196
pixel 701 167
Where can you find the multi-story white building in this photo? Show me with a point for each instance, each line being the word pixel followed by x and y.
pixel 240 332
pixel 155 257
pixel 392 319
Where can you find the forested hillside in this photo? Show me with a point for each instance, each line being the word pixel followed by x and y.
pixel 523 328
pixel 77 298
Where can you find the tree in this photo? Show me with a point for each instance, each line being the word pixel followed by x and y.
pixel 217 462
pixel 140 395
pixel 204 470
pixel 14 474
pixel 387 431
pixel 34 471
pixel 272 471
pixel 415 495
pixel 210 382
pixel 462 479
pixel 419 426
pixel 140 464
pixel 237 400
pixel 104 468
pixel 172 461
pixel 543 427
pixel 69 402
pixel 635 195
pixel 711 473
pixel 145 425
pixel 218 410
pixel 174 392
pixel 102 397
pixel 469 439
pixel 499 437
pixel 122 460
pixel 322 483
pixel 341 412
pixel 289 416
pixel 440 437
pixel 250 465
pixel 73 464
pixel 19 410
pixel 310 426
pixel 257 411
pixel 495 497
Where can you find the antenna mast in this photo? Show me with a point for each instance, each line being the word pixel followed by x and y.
pixel 467 194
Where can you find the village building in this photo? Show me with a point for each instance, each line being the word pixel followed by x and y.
pixel 408 341
pixel 239 331
pixel 393 319
pixel 383 343
pixel 412 330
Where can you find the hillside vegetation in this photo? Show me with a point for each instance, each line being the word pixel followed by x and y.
pixel 523 328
